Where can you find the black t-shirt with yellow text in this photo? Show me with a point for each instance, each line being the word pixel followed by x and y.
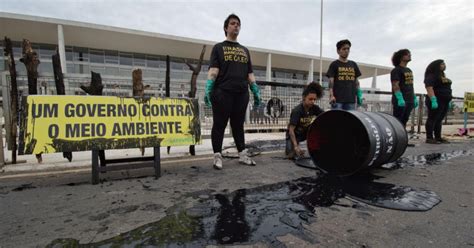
pixel 404 77
pixel 441 86
pixel 302 119
pixel 233 61
pixel 345 75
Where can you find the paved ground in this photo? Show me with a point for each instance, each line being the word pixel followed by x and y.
pixel 38 207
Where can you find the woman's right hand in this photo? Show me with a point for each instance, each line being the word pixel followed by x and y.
pixel 298 151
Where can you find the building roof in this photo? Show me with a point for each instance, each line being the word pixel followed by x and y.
pixel 44 30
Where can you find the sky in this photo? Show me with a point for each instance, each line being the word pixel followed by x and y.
pixel 432 29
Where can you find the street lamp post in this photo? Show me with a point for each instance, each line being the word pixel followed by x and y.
pixel 321 47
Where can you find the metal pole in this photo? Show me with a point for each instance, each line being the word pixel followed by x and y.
pixel 420 112
pixel 321 47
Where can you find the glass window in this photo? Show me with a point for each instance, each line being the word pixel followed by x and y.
pixel 47 51
pixel 126 59
pixel 163 64
pixel 112 71
pixel 280 74
pixel 98 69
pixel 154 62
pixel 150 74
pixel 20 67
pixel 17 52
pixel 176 75
pixel 69 53
pixel 139 60
pixel 45 67
pixel 81 54
pixel 96 56
pixel 70 68
pixel 82 69
pixel 125 72
pixel 176 66
pixel 259 73
pixel 111 57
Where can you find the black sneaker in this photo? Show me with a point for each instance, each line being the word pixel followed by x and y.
pixel 443 141
pixel 432 141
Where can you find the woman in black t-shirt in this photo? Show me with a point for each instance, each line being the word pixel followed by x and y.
pixel 229 78
pixel 301 118
pixel 438 87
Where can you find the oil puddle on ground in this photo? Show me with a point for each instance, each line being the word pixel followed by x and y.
pixel 261 214
pixel 406 161
pixel 255 148
pixel 427 159
pixel 24 187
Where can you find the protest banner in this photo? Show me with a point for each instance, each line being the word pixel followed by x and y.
pixel 77 123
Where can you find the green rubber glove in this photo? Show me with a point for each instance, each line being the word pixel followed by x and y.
pixel 257 99
pixel 415 102
pixel 359 96
pixel 207 91
pixel 400 100
pixel 451 106
pixel 434 102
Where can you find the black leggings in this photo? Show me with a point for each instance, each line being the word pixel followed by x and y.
pixel 403 113
pixel 225 106
pixel 435 118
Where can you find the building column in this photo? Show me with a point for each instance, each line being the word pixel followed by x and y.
pixel 268 76
pixel 311 71
pixel 374 79
pixel 62 58
pixel 62 48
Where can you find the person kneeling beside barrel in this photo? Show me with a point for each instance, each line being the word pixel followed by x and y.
pixel 301 118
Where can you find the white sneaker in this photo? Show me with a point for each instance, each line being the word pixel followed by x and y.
pixel 245 159
pixel 217 161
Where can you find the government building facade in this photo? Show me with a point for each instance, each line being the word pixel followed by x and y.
pixel 115 52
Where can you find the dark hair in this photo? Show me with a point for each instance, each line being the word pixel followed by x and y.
pixel 341 43
pixel 397 56
pixel 313 88
pixel 434 69
pixel 227 20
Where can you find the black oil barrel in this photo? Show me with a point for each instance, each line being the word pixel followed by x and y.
pixel 344 142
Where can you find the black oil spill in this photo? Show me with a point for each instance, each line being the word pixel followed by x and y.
pixel 24 187
pixel 427 159
pixel 306 162
pixel 268 145
pixel 390 196
pixel 261 214
pixel 255 148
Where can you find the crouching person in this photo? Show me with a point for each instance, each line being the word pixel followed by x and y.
pixel 301 118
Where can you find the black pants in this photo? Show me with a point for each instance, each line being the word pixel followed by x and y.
pixel 225 106
pixel 435 117
pixel 402 113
